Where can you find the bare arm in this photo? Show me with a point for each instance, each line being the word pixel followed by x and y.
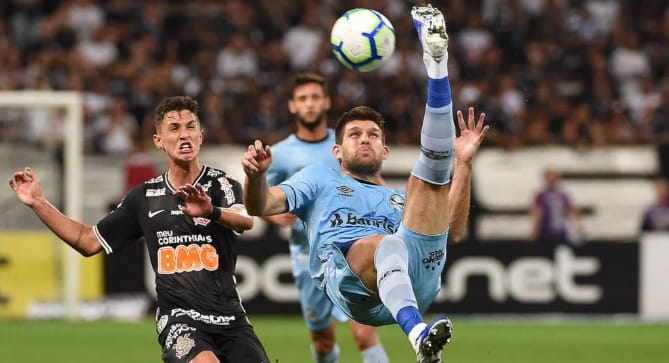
pixel 259 199
pixel 466 147
pixel 236 218
pixel 459 198
pixel 283 219
pixel 77 235
pixel 198 204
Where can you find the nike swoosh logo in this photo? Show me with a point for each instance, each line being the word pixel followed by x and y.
pixel 153 214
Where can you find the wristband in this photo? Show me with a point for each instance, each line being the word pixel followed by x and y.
pixel 215 214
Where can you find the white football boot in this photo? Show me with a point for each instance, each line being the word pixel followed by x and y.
pixel 431 28
pixel 431 341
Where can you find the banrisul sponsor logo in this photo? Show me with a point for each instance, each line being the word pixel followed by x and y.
pixel 350 219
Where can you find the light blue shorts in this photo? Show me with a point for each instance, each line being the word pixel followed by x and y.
pixel 427 257
pixel 317 309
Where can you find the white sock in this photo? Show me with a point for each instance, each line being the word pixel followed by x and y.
pixel 415 333
pixel 332 357
pixel 375 354
pixel 436 70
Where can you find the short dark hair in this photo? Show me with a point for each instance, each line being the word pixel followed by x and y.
pixel 176 103
pixel 306 78
pixel 362 113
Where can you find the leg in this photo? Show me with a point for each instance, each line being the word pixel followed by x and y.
pixel 183 343
pixel 324 349
pixel 240 345
pixel 205 357
pixel 317 313
pixel 426 210
pixel 368 343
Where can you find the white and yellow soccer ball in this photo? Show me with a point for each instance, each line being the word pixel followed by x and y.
pixel 362 39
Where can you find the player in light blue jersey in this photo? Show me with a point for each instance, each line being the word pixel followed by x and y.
pixel 379 253
pixel 312 144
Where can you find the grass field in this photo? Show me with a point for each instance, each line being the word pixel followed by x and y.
pixel 286 341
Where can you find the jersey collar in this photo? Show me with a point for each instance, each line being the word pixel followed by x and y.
pixel 172 189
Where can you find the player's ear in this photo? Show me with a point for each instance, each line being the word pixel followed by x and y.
pixel 291 107
pixel 336 151
pixel 386 152
pixel 157 141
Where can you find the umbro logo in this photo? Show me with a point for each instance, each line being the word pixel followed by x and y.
pixel 345 191
pixel 153 214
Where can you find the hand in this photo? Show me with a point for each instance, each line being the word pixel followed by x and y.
pixel 197 202
pixel 471 135
pixel 27 186
pixel 256 159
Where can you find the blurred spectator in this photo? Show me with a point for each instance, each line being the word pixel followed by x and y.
pixel 116 131
pixel 656 216
pixel 581 129
pixel 237 64
pixel 266 122
pixel 555 219
pixel 657 131
pixel 213 119
pixel 301 42
pixel 531 62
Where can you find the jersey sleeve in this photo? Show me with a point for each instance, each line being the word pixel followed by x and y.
pixel 302 188
pixel 121 227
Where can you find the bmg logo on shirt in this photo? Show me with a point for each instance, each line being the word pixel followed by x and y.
pixel 182 258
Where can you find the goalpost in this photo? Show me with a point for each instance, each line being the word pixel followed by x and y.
pixel 72 103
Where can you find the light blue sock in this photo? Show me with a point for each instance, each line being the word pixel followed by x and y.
pixel 395 290
pixel 375 354
pixel 332 357
pixel 437 145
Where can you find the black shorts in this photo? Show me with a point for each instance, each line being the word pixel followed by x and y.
pixel 181 342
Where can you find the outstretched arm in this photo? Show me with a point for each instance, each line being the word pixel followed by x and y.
pixel 259 199
pixel 198 204
pixel 466 147
pixel 78 235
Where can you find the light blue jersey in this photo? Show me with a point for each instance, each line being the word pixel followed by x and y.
pixel 291 155
pixel 338 210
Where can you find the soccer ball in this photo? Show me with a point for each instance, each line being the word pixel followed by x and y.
pixel 362 39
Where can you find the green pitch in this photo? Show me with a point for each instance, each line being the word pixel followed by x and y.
pixel 287 341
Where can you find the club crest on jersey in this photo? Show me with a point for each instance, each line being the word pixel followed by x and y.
pixel 155 192
pixel 397 201
pixel 201 221
pixel 183 345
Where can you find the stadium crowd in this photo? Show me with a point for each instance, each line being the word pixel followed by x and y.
pixel 585 73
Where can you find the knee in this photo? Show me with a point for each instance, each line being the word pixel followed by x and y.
pixel 391 246
pixel 205 357
pixel 364 336
pixel 323 341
